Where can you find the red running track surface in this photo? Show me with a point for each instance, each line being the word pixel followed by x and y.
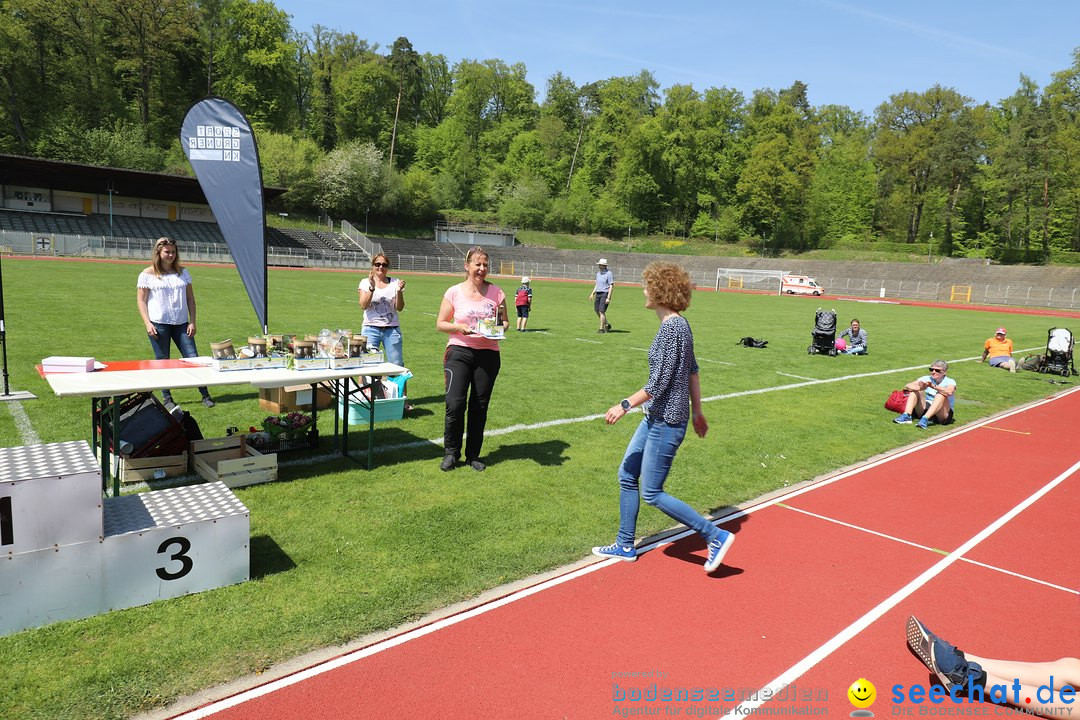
pixel 813 595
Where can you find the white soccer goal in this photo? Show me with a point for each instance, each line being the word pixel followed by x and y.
pixel 742 279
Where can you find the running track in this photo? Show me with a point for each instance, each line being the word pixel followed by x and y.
pixel 974 531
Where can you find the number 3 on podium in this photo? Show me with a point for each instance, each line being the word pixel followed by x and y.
pixel 184 545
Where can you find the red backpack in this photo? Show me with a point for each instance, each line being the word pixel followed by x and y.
pixel 522 297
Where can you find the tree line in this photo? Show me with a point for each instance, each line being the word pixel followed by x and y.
pixel 352 128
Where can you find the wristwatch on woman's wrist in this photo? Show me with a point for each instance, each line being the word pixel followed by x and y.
pixel 625 405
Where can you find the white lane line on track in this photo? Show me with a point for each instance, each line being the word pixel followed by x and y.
pixel 995 568
pixel 786 678
pixel 800 668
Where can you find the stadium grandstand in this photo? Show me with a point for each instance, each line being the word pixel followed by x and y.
pixel 60 208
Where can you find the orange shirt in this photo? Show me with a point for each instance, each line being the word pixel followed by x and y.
pixel 997 348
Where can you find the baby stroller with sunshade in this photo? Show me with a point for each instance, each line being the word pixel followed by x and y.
pixel 824 333
pixel 1059 352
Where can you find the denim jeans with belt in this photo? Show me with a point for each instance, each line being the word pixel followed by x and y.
pixel 390 340
pixel 648 458
pixel 167 335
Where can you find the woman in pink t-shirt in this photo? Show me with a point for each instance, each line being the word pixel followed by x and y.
pixel 473 314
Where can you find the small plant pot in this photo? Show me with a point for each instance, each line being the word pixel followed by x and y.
pixel 257 346
pixel 223 350
pixel 304 348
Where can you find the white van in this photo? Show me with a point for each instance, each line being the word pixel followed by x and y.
pixel 800 285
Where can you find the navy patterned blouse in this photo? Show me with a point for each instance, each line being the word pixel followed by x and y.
pixel 671 363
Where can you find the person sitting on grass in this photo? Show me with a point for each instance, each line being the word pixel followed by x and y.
pixel 856 339
pixel 930 397
pixel 999 350
pixel 1045 688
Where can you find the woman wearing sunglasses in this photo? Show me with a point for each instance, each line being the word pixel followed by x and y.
pixel 166 302
pixel 930 397
pixel 382 298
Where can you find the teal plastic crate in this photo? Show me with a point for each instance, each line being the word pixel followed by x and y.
pixel 384 410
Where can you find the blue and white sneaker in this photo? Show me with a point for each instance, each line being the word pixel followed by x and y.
pixel 923 422
pixel 952 668
pixel 903 419
pixel 627 553
pixel 718 548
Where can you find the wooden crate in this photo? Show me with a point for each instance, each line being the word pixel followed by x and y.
pixel 232 461
pixel 133 470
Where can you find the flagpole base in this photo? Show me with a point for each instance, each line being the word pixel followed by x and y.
pixel 19 395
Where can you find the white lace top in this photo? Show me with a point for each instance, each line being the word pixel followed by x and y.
pixel 167 302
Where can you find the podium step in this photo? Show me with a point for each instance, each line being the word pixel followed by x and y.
pixel 50 496
pixel 170 508
pixel 156 545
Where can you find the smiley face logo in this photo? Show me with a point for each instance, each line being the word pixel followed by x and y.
pixel 862 693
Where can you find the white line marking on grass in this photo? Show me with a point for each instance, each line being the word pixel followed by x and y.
pixel 860 528
pixel 597 342
pixel 430 314
pixel 797 377
pixel 829 647
pixel 786 678
pixel 590 418
pixel 27 434
pixel 700 360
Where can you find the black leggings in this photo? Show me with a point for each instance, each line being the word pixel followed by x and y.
pixel 469 373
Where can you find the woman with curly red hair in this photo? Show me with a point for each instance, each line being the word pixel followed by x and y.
pixel 669 399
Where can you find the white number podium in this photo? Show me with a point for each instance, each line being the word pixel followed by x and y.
pixel 66 553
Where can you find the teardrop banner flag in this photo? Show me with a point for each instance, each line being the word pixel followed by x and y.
pixel 220 146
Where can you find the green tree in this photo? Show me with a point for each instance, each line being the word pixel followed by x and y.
pixel 290 162
pixel 257 63
pixel 405 65
pixel 843 188
pixel 912 146
pixel 352 179
pixel 155 40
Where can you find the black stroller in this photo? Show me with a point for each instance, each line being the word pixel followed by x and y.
pixel 824 334
pixel 1059 353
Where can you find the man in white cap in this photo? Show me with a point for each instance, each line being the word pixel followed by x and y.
pixel 999 350
pixel 601 294
pixel 523 302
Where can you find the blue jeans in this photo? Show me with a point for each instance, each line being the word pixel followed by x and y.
pixel 648 457
pixel 162 345
pixel 856 350
pixel 390 340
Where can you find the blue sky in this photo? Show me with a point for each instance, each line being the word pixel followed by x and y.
pixel 847 52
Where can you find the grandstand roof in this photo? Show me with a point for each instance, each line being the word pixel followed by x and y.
pixel 56 175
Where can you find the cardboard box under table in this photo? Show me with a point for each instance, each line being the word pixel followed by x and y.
pixel 292 398
pixel 232 461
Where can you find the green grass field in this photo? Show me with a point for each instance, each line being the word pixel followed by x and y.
pixel 338 552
